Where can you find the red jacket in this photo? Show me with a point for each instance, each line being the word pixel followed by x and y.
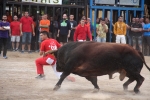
pixel 82 32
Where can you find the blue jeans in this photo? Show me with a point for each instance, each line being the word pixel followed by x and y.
pixel 99 39
pixel 26 37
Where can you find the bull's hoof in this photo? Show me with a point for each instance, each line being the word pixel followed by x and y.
pixel 95 90
pixel 136 91
pixel 56 88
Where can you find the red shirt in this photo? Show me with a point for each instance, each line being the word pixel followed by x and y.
pixel 26 24
pixel 82 32
pixel 49 44
pixel 15 28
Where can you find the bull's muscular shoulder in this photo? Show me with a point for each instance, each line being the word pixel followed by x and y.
pixel 91 47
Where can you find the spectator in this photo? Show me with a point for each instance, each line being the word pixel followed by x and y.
pixel 82 31
pixel 47 45
pixel 89 24
pixel 44 23
pixel 129 35
pixel 73 24
pixel 102 30
pixel 15 33
pixel 146 36
pixel 27 29
pixel 51 27
pixel 4 35
pixel 136 33
pixel 142 21
pixel 64 30
pixel 120 31
pixel 9 17
pixel 108 36
pixel 55 24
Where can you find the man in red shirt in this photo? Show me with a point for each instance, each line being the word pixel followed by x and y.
pixel 82 31
pixel 26 28
pixel 15 33
pixel 49 59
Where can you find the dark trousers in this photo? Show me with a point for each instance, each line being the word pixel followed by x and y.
pixel 3 43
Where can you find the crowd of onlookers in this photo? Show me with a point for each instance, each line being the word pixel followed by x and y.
pixel 26 28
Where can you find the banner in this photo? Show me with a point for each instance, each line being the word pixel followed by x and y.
pixel 56 2
pixel 130 2
pixel 105 2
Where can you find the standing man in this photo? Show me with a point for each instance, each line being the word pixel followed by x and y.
pixel 146 36
pixel 15 33
pixel 129 34
pixel 47 45
pixel 45 23
pixel 4 35
pixel 82 31
pixel 136 33
pixel 27 29
pixel 51 27
pixel 101 31
pixel 73 24
pixel 89 24
pixel 108 34
pixel 64 30
pixel 120 31
pixel 142 22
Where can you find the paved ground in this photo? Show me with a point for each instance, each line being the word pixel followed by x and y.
pixel 17 82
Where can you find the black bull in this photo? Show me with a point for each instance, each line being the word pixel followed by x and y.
pixel 92 59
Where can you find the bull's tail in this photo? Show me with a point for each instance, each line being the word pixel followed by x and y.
pixel 143 59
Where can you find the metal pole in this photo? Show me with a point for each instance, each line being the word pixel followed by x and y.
pixel 37 28
pixel 12 10
pixel 30 10
pixel 45 9
pixel 134 13
pixel 4 6
pixel 95 11
pixel 103 15
pixel 77 14
pixel 21 10
pixel 111 18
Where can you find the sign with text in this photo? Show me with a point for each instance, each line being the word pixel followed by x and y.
pixel 105 2
pixel 130 2
pixel 59 2
pixel 56 2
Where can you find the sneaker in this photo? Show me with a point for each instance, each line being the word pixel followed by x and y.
pixel 13 49
pixel 40 76
pixel 16 49
pixel 5 57
pixel 29 52
pixel 22 51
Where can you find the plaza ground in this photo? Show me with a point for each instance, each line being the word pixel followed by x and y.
pixel 17 82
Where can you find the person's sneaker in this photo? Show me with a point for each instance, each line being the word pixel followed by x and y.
pixel 40 77
pixel 29 52
pixel 5 57
pixel 13 49
pixel 22 51
pixel 16 49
